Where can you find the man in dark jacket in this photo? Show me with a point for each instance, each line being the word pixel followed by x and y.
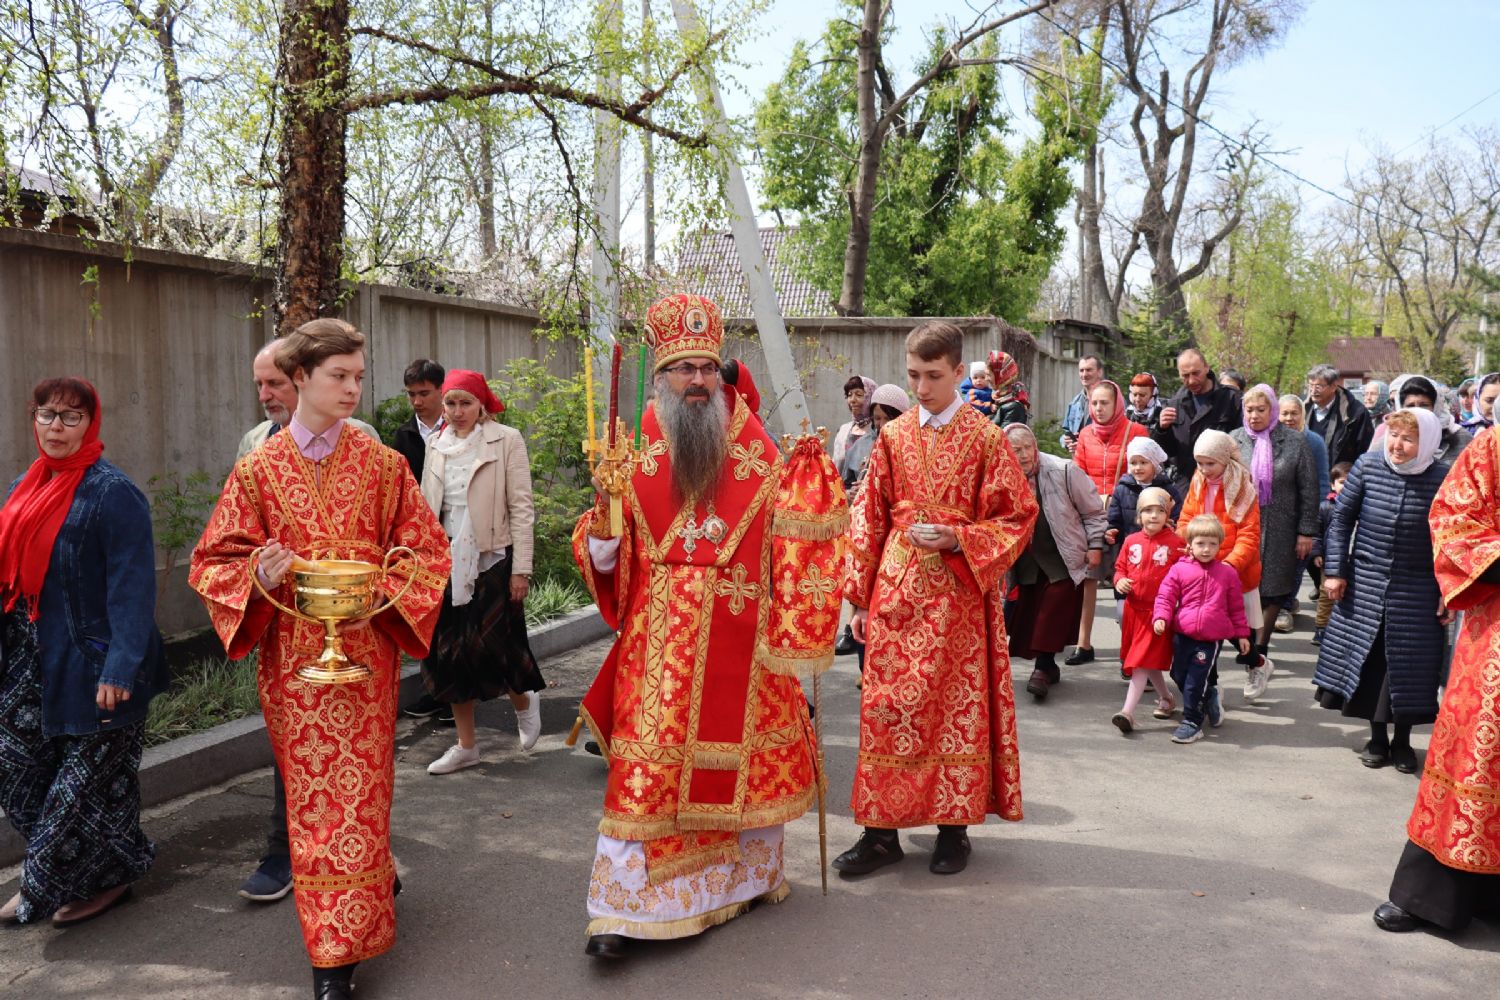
pixel 424 381
pixel 1201 404
pixel 1333 412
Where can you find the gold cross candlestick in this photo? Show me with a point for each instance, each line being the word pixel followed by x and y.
pixel 613 463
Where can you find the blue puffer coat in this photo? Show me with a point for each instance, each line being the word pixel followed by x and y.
pixel 1391 583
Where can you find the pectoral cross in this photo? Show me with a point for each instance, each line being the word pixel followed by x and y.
pixel 712 531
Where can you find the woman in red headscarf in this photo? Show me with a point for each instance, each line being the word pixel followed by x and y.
pixel 80 659
pixel 477 479
pixel 1101 454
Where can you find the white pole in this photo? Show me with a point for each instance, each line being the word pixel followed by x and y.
pixel 604 291
pixel 791 406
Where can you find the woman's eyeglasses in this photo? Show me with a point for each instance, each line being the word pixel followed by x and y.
pixel 70 418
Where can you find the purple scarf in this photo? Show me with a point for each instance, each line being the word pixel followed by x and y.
pixel 1261 462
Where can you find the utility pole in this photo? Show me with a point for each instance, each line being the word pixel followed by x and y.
pixel 791 406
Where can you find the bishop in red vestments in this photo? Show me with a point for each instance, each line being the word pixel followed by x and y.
pixel 1450 869
pixel 723 588
pixel 319 490
pixel 943 514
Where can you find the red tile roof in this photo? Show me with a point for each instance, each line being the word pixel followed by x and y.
pixel 1365 357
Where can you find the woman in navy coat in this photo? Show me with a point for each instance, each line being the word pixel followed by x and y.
pixel 1382 652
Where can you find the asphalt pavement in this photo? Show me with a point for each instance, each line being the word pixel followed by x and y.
pixel 1246 865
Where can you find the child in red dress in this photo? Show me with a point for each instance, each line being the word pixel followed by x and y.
pixel 1145 558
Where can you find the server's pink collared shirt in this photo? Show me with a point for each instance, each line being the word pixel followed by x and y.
pixel 315 447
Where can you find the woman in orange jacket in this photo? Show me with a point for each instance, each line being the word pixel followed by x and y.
pixel 1224 488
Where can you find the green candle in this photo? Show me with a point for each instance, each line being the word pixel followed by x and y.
pixel 640 393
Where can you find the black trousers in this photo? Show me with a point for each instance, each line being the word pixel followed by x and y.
pixel 1449 897
pixel 277 845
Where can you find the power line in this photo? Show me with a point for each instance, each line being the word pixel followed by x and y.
pixel 1434 131
pixel 1242 146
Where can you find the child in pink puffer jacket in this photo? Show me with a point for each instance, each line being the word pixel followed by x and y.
pixel 1202 602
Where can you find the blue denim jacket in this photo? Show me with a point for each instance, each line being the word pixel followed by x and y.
pixel 97 618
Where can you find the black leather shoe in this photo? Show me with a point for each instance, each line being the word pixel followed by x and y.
pixel 1082 654
pixel 396 886
pixel 1390 917
pixel 845 645
pixel 1405 759
pixel 951 853
pixel 593 747
pixel 336 983
pixel 1038 684
pixel 1373 756
pixel 610 947
pixel 870 852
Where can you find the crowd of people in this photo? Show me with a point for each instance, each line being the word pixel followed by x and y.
pixel 1202 514
pixel 1206 512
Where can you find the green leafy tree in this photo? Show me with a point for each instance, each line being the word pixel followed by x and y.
pixel 959 223
pixel 1267 304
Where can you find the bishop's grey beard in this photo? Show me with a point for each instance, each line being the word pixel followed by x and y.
pixel 697 437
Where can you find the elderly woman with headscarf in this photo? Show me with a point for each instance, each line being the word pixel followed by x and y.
pixel 1286 486
pixel 1066 544
pixel 1102 444
pixel 1382 652
pixel 1420 391
pixel 1012 405
pixel 857 391
pixel 80 659
pixel 887 403
pixel 477 479
pixel 1377 398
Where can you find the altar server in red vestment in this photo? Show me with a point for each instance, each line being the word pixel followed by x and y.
pixel 322 491
pixel 944 513
pixel 724 587
pixel 1450 869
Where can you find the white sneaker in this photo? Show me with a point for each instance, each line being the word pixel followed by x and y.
pixel 1284 622
pixel 529 720
pixel 1256 678
pixel 456 759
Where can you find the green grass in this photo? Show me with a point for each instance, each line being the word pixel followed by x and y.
pixel 210 692
pixel 552 598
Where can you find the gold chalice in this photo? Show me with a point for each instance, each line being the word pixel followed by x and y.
pixel 331 591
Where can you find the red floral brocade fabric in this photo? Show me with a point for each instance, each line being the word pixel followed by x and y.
pixel 333 743
pixel 1457 814
pixel 937 731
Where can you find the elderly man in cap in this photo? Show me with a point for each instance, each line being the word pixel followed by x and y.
pixel 723 586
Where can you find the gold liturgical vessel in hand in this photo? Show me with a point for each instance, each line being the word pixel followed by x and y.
pixel 330 592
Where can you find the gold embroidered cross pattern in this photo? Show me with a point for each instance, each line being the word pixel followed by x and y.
pixel 738 590
pixel 749 459
pixel 816 582
pixel 648 461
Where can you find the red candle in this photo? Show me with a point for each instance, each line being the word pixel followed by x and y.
pixel 614 389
